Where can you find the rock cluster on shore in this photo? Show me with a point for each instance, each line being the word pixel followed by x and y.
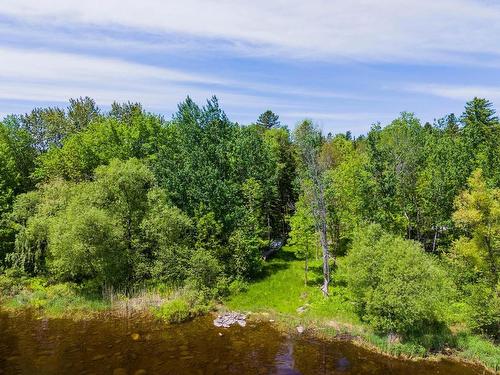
pixel 228 319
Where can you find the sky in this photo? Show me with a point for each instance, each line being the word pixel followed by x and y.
pixel 344 64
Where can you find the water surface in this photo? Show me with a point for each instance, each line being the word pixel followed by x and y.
pixel 133 346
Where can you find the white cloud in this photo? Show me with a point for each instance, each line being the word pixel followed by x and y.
pixel 383 30
pixel 45 76
pixel 55 76
pixel 460 93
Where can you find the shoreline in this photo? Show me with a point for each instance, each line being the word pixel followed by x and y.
pixel 320 332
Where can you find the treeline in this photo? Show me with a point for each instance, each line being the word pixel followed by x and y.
pixel 416 208
pixel 121 197
pixel 126 197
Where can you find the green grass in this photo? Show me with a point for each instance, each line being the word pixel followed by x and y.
pixel 477 348
pixel 282 290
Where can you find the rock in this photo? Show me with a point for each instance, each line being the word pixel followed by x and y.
pixel 140 372
pixel 301 309
pixel 119 371
pixel 242 323
pixel 300 329
pixel 228 319
pixel 135 336
pixel 271 320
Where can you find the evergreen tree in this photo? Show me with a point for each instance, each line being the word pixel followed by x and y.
pixel 268 120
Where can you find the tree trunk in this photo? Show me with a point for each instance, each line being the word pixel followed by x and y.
pixel 326 266
pixel 321 217
pixel 306 267
pixel 435 240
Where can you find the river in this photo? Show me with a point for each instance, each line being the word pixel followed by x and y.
pixel 30 345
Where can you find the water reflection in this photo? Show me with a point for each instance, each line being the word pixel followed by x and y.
pixel 116 346
pixel 284 362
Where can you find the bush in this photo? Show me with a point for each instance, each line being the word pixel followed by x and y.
pixel 174 311
pixel 483 309
pixel 395 285
pixel 12 282
pixel 204 270
pixel 187 304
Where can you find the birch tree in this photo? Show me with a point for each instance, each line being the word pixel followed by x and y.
pixel 308 138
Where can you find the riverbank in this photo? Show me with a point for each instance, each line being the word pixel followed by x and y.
pixel 283 298
pixel 279 297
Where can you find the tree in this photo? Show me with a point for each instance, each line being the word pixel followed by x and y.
pixel 308 139
pixel 481 132
pixel 123 188
pixel 303 238
pixel 125 112
pixel 349 189
pixel 397 156
pixel 396 286
pixel 478 215
pixel 104 139
pixel 81 112
pixel 443 176
pixel 16 165
pixel 268 120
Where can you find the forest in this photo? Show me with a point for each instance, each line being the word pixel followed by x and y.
pixel 403 223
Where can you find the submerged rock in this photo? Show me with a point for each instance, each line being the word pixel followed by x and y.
pixel 228 319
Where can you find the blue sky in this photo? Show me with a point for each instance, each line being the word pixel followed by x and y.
pixel 344 64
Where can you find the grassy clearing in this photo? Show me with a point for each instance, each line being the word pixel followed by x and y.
pixel 281 291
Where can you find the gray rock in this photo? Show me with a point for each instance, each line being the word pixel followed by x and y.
pixel 228 319
pixel 300 329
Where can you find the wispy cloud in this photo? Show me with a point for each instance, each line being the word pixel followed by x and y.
pixel 460 93
pixel 384 30
pixel 47 75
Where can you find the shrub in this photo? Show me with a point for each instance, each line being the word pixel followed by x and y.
pixel 12 282
pixel 174 311
pixel 395 285
pixel 204 270
pixel 483 309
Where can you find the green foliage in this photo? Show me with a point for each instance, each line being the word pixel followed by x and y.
pixel 122 199
pixel 396 286
pixel 103 230
pixel 303 239
pixel 185 305
pixel 478 214
pixel 103 140
pixel 268 119
pixel 175 311
pixel 204 270
pixel 16 164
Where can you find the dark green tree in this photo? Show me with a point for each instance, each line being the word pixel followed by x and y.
pixel 268 120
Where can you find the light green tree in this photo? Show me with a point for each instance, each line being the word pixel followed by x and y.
pixel 478 214
pixel 303 238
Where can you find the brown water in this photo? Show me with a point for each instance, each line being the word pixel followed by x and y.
pixel 119 346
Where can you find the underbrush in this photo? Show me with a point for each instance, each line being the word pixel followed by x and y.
pixel 18 291
pixel 183 305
